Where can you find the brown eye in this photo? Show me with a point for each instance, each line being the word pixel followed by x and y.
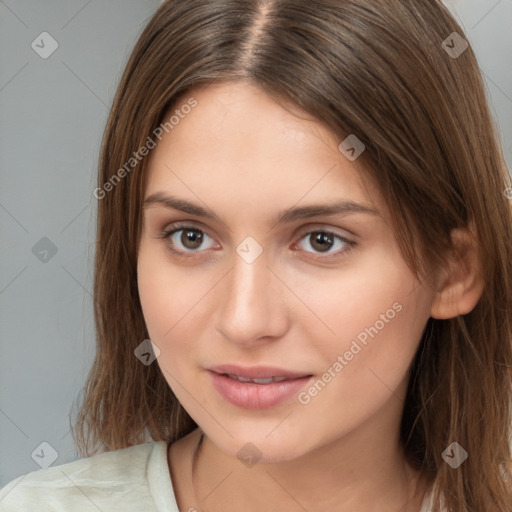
pixel 321 241
pixel 191 238
pixel 186 240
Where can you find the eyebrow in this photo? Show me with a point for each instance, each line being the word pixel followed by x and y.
pixel 294 213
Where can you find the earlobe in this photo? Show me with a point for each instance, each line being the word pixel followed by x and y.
pixel 461 283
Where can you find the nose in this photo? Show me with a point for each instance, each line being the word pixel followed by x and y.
pixel 252 302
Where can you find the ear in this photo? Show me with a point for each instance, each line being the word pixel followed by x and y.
pixel 460 283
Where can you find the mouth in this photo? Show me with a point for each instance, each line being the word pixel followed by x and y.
pixel 258 374
pixel 256 381
pixel 257 387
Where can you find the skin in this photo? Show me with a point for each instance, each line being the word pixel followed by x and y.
pixel 297 307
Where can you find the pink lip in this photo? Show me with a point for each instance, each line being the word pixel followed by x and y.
pixel 256 372
pixel 250 395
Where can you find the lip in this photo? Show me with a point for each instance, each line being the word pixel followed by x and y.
pixel 256 372
pixel 251 395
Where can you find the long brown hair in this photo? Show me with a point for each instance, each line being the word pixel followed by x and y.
pixel 374 68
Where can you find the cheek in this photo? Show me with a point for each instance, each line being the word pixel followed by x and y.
pixel 378 320
pixel 363 298
pixel 168 293
pixel 360 377
pixel 168 298
pixel 372 316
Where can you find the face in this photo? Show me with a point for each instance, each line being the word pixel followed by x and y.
pixel 322 301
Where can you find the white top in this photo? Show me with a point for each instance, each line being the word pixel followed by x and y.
pixel 131 479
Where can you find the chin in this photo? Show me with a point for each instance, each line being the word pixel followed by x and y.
pixel 251 446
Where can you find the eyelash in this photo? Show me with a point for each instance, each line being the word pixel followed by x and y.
pixel 176 228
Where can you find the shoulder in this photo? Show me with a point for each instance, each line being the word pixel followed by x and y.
pixel 104 481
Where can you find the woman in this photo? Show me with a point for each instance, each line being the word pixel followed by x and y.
pixel 303 276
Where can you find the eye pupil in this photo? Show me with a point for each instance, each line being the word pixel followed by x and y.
pixel 191 236
pixel 324 240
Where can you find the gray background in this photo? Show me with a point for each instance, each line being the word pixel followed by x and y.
pixel 53 113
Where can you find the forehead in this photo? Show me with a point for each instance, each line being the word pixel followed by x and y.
pixel 239 143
